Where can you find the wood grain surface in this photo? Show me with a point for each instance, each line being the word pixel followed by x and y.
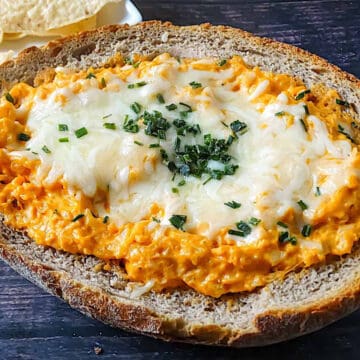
pixel 35 325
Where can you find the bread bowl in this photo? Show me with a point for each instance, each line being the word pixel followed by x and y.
pixel 301 303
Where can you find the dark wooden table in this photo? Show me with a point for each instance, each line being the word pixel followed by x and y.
pixel 35 325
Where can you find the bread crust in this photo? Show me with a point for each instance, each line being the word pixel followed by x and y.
pixel 277 321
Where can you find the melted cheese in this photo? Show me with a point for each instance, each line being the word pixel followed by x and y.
pixel 285 157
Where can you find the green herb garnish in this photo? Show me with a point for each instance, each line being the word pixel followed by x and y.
pixel 195 85
pixel 233 204
pixel 46 150
pixel 244 228
pixel 23 137
pixel 254 221
pixel 103 82
pixel 222 62
pixel 130 125
pixel 154 146
pixel 156 124
pixel 171 107
pixel 138 143
pixel 341 130
pixel 239 127
pixel 306 230
pixel 175 190
pixel 181 183
pixel 90 76
pixel 136 107
pixel 317 192
pixel 302 205
pixel 284 237
pixel 64 140
pixel 110 126
pixel 342 102
pixel 280 223
pixel 306 109
pixel 160 99
pixel 236 232
pixel 137 85
pixel 81 132
pixel 105 219
pixel 178 221
pixel 280 113
pixel 63 127
pixel 9 98
pixel 304 125
pixel 77 217
pixel 301 95
pixel 188 107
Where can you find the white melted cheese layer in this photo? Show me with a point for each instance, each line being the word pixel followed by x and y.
pixel 278 164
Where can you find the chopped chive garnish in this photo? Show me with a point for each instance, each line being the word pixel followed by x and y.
pixel 175 190
pixel 280 113
pixel 342 102
pixel 63 127
pixel 238 126
pixel 184 114
pixel 244 228
pixel 136 65
pixel 90 75
pixel 46 150
pixel 302 205
pixel 317 191
pixel 136 107
pixel 81 132
pixel 106 116
pixel 154 146
pixel 103 82
pixel 341 130
pixel 254 221
pixel 137 85
pixel 130 125
pixel 301 94
pixel 156 124
pixel 226 125
pixel 207 180
pixel 222 62
pixel 23 137
pixel 178 221
pixel 188 107
pixel 110 126
pixel 236 232
pixel 306 230
pixel 160 98
pixel 280 223
pixel 9 98
pixel 105 219
pixel 138 143
pixel 155 219
pixel 304 125
pixel 64 140
pixel 77 217
pixel 233 204
pixel 306 110
pixel 181 183
pixel 177 144
pixel 195 85
pixel 171 107
pixel 284 237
